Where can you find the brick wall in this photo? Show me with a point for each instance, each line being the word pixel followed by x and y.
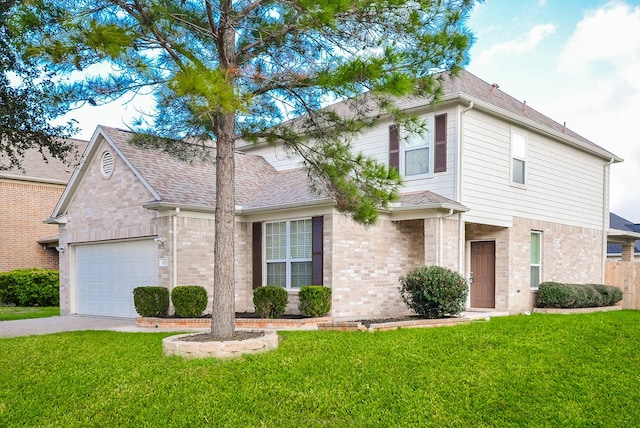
pixel 104 209
pixel 195 255
pixel 23 207
pixel 364 265
pixel 569 254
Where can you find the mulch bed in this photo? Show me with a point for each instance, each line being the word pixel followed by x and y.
pixel 207 337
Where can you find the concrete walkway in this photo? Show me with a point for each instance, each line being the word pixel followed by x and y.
pixel 73 323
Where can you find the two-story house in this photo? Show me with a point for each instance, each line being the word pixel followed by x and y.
pixel 27 196
pixel 496 191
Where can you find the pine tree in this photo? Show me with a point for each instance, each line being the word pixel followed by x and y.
pixel 258 70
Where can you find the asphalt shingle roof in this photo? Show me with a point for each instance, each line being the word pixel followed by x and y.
pixel 52 170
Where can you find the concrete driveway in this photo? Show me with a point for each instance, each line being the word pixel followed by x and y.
pixel 72 323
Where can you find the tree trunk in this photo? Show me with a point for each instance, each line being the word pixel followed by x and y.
pixel 223 311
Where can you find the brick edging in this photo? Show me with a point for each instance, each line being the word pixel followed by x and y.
pixel 277 324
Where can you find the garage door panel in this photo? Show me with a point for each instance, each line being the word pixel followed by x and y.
pixel 107 273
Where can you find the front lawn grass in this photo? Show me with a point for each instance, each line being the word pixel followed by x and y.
pixel 9 313
pixel 538 370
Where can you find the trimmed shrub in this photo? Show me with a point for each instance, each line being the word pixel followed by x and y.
pixel 570 296
pixel 315 300
pixel 270 301
pixel 30 287
pixel 434 291
pixel 610 294
pixel 151 301
pixel 189 301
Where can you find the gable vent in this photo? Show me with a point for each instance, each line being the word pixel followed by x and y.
pixel 106 164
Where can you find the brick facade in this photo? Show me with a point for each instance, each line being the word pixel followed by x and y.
pixel 364 264
pixel 569 254
pixel 23 207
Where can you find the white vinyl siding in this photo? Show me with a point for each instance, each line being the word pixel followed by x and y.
pixel 288 253
pixel 563 184
pixel 375 143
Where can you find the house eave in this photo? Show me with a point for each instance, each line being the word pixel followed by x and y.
pixel 161 205
pixel 622 236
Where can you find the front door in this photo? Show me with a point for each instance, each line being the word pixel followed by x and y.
pixel 483 274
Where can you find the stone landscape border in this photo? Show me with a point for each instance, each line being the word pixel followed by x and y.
pixel 228 349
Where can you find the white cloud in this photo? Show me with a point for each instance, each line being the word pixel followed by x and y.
pixel 609 35
pixel 600 65
pixel 519 46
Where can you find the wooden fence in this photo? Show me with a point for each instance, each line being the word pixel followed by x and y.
pixel 626 276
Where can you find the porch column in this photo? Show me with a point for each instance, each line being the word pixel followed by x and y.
pixel 627 252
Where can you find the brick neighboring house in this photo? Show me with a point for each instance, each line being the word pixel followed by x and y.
pixel 27 197
pixel 496 191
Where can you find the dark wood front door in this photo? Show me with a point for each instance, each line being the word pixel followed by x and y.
pixel 483 274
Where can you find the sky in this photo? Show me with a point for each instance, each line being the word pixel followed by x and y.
pixel 575 61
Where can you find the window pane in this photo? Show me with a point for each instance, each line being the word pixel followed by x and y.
pixel 416 161
pixel 276 240
pixel 535 248
pixel 301 239
pixel 416 140
pixel 519 146
pixel 518 171
pixel 301 274
pixel 277 274
pixel 535 276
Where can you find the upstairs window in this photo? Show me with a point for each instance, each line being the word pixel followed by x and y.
pixel 418 155
pixel 518 158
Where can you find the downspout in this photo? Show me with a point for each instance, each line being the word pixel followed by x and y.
pixel 461 233
pixel 174 248
pixel 605 216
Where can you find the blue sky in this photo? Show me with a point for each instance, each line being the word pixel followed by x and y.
pixel 575 61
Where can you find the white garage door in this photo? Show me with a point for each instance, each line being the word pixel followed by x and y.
pixel 107 273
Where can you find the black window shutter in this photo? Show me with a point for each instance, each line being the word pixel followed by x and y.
pixel 316 250
pixel 440 153
pixel 256 254
pixel 394 146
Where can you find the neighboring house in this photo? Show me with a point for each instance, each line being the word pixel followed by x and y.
pixel 497 192
pixel 624 239
pixel 27 197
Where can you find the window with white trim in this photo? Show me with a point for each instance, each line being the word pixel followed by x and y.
pixel 518 158
pixel 536 259
pixel 288 253
pixel 417 153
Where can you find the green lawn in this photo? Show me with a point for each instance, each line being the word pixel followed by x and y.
pixel 8 313
pixel 538 370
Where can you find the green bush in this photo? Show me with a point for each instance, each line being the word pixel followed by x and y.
pixel 151 301
pixel 30 287
pixel 315 300
pixel 270 301
pixel 610 294
pixel 189 301
pixel 559 295
pixel 434 291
